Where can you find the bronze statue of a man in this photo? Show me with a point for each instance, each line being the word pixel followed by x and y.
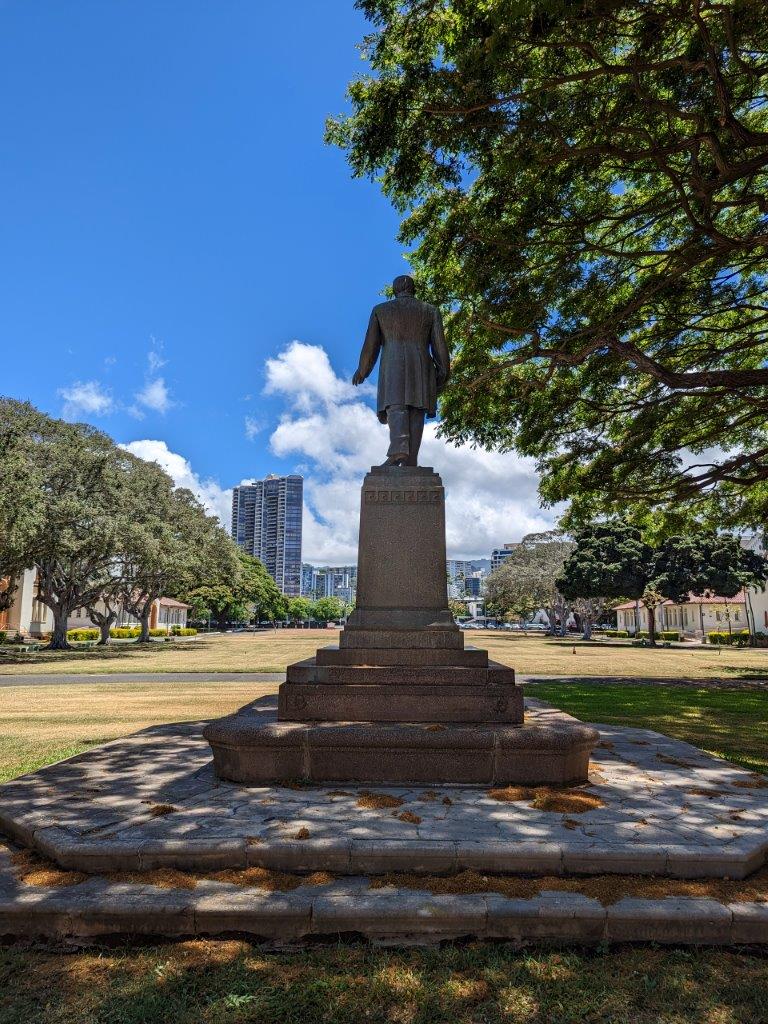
pixel 414 367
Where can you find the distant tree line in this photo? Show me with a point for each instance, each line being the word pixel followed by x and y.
pixel 106 530
pixel 610 562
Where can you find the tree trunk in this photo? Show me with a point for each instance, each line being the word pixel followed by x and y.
pixel 104 622
pixel 587 635
pixel 651 626
pixel 59 640
pixel 144 637
pixel 221 620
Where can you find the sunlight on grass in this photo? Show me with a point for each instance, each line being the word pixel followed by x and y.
pixel 215 982
pixel 729 723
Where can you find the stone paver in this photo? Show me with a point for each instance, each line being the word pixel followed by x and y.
pixel 152 800
pixel 349 907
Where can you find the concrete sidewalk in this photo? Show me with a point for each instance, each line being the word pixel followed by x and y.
pixel 60 679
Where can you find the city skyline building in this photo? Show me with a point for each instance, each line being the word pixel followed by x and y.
pixel 266 523
pixel 500 555
pixel 319 581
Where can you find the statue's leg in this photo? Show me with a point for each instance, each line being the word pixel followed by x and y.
pixel 399 433
pixel 415 430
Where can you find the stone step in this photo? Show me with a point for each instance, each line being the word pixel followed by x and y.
pixel 326 702
pixel 399 675
pixel 414 657
pixel 402 638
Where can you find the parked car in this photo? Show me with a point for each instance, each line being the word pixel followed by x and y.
pixel 537 627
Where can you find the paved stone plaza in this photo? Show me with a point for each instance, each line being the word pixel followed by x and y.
pixel 655 806
pixel 151 800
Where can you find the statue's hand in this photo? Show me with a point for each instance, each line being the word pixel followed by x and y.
pixel 358 378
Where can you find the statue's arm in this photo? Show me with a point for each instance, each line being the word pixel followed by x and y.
pixel 370 352
pixel 440 350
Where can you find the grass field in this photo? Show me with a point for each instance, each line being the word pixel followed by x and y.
pixel 230 981
pixel 40 724
pixel 271 651
pixel 729 723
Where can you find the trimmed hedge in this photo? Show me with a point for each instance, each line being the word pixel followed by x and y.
pixel 620 633
pixel 740 639
pixel 183 631
pixel 83 634
pixel 124 632
pixel 664 634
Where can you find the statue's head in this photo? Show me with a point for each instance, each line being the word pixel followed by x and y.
pixel 403 285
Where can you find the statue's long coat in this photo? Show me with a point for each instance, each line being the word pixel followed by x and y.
pixel 414 357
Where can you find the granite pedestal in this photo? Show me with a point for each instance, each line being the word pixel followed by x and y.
pixel 400 699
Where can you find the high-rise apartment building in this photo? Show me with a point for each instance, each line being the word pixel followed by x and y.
pixel 266 522
pixel 329 581
pixel 500 555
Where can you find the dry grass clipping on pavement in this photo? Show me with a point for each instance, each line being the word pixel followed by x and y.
pixel 549 798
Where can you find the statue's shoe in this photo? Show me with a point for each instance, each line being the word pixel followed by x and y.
pixel 396 460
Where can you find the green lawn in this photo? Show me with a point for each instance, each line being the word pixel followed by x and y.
pixel 230 981
pixel 730 723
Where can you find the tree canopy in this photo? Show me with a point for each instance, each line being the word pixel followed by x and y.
pixel 248 591
pixel 612 560
pixel 97 522
pixel 528 578
pixel 584 188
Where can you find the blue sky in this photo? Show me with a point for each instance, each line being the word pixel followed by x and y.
pixel 171 221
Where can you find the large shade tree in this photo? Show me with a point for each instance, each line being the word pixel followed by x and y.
pixel 584 187
pixel 528 578
pixel 78 484
pixel 612 560
pixel 250 591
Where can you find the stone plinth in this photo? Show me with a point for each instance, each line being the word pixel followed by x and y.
pixel 400 699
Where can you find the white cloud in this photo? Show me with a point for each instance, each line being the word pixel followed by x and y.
pixel 303 375
pixel 89 397
pixel 490 498
pixel 217 500
pixel 155 361
pixel 155 396
pixel 253 426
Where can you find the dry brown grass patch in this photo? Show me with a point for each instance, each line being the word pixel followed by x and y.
pixel 271 881
pixel 677 761
pixel 377 801
pixel 160 810
pixel 32 869
pixel 549 798
pixel 428 796
pixel 409 817
pixel 161 878
pixel 511 794
pixel 606 889
pixel 755 782
pixel 303 833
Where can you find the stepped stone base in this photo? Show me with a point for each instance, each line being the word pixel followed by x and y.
pixel 252 746
pixel 400 700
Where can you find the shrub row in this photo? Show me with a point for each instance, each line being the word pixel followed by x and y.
pixel 621 633
pixel 127 633
pixel 740 639
pixel 83 634
pixel 664 634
